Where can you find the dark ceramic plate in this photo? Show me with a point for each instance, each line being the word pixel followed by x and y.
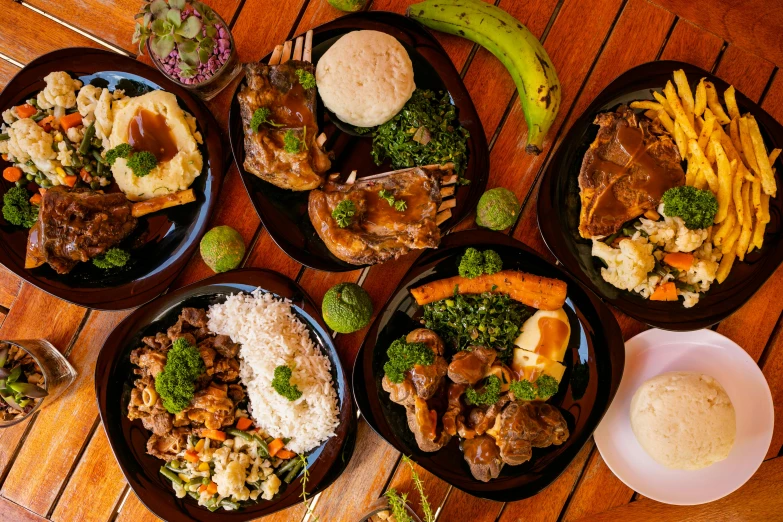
pixel 284 212
pixel 594 365
pixel 560 190
pixel 163 242
pixel 114 379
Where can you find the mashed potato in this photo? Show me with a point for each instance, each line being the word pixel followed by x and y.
pixel 683 420
pixel 365 78
pixel 170 176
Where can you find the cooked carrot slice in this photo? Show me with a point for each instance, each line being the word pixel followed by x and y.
pixel 191 456
pixel 275 446
pixel 214 434
pixel 36 199
pixel 665 292
pixel 244 423
pixel 71 120
pixel 681 260
pixel 285 454
pixel 70 180
pixel 25 111
pixel 12 174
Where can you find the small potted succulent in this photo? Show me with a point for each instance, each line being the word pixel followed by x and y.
pixel 189 43
pixel 22 384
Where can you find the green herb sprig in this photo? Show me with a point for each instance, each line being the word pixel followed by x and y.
pixel 294 145
pixel 261 116
pixel 419 485
pixel 399 204
pixel 344 212
pixel 403 356
pixel 306 78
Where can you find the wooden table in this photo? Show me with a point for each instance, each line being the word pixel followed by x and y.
pixel 58 466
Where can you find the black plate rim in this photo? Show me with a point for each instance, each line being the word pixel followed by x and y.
pixel 232 280
pixel 677 320
pixel 478 184
pixel 614 351
pixel 213 141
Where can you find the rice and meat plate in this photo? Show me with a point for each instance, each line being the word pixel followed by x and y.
pixel 270 336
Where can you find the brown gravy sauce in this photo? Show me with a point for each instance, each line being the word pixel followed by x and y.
pixel 149 131
pixel 553 333
pixel 481 450
pixel 658 178
pixel 292 110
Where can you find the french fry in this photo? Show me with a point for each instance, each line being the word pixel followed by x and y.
pixel 755 193
pixel 679 112
pixel 730 243
pixel 728 145
pixel 701 181
pixel 664 103
pixel 734 132
pixel 731 102
pixel 747 145
pixel 684 91
pixel 709 153
pixel 714 104
pixel 691 173
pixel 667 122
pixel 739 178
pixel 651 114
pixel 646 104
pixel 698 124
pixel 762 218
pixel 724 268
pixel 680 139
pixel 768 182
pixel 701 99
pixel 706 132
pixel 773 156
pixel 725 228
pixel 724 181
pixel 704 166
pixel 747 225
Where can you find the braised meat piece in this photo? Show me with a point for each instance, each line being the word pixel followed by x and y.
pixel 483 456
pixel 212 408
pixel 625 172
pixel 151 362
pixel 167 446
pixel 378 231
pixel 227 370
pixel 225 346
pixel 428 337
pixel 207 353
pixel 159 342
pixel 423 422
pixel 76 225
pixel 527 425
pixel 402 393
pixel 277 88
pixel 470 366
pixel 427 379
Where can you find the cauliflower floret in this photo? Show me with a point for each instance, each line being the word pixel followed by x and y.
pixel 672 234
pixel 95 107
pixel 231 480
pixel 87 100
pixel 270 487
pixel 8 116
pixel 28 141
pixel 75 134
pixel 60 91
pixel 64 155
pixel 628 265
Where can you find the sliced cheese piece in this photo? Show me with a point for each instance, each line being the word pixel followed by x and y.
pixel 530 365
pixel 546 333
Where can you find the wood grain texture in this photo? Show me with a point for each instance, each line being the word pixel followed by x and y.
pixel 773 101
pixel 745 71
pixel 97 466
pixel 112 20
pixel 132 510
pixel 462 506
pixel 7 71
pixel 266 254
pixel 755 25
pixel 758 499
pixel 690 44
pixel 362 481
pixel 547 505
pixel 9 287
pixel 16 513
pixel 33 34
pixel 772 367
pixel 597 491
pixel 435 489
pixel 44 462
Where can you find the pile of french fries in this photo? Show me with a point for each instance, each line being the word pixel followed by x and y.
pixel 725 154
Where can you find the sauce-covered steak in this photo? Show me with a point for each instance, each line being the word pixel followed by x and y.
pixel 76 225
pixel 378 231
pixel 292 109
pixel 625 172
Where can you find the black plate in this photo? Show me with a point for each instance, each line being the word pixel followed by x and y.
pixel 560 190
pixel 163 242
pixel 114 379
pixel 284 212
pixel 594 365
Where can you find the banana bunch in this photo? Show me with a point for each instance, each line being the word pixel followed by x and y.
pixel 511 42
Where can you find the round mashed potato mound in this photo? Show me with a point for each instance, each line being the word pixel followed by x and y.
pixel 170 176
pixel 683 420
pixel 365 78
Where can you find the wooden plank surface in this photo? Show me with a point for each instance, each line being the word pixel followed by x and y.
pixel 9 287
pixel 7 71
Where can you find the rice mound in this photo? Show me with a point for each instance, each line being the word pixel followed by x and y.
pixel 365 78
pixel 683 420
pixel 270 336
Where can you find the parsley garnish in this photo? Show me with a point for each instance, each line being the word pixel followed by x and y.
pixel 343 213
pixel 399 204
pixel 306 78
pixel 262 116
pixel 292 144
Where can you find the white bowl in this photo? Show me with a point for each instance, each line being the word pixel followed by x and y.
pixel 655 352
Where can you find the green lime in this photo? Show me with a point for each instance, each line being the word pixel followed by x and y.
pixel 222 249
pixel 347 307
pixel 497 209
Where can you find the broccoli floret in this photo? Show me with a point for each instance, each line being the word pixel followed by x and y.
pixel 281 383
pixel 292 144
pixel 306 78
pixel 17 208
pixel 113 258
pixel 403 356
pixel 547 386
pixel 489 394
pixel 142 163
pixel 696 207
pixel 492 262
pixel 261 115
pixel 123 150
pixel 472 264
pixel 175 383
pixel 523 390
pixel 343 213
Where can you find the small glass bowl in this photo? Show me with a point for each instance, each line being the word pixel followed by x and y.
pixel 382 505
pixel 209 88
pixel 57 372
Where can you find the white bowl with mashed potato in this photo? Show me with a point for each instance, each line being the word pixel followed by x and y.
pixel 671 381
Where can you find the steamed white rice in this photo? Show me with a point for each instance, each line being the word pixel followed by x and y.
pixel 270 336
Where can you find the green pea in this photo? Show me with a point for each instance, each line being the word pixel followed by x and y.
pixel 95 185
pixel 30 177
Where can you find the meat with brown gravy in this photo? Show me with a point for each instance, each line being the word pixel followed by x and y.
pixel 217 394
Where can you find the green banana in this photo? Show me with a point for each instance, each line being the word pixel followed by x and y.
pixel 513 44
